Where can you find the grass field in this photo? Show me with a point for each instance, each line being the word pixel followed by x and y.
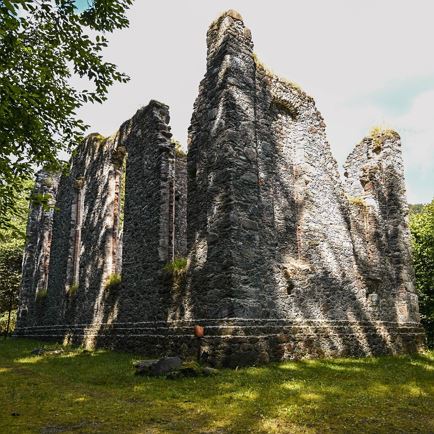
pixel 81 392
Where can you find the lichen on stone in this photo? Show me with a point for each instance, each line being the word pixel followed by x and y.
pixel 357 200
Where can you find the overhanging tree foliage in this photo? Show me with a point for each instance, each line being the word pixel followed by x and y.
pixel 43 43
pixel 422 231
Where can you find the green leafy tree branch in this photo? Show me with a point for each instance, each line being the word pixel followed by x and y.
pixel 43 44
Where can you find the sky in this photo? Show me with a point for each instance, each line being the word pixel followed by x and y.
pixel 366 64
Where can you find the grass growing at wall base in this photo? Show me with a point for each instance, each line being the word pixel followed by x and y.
pixel 97 392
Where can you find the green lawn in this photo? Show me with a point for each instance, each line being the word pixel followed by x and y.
pixel 97 392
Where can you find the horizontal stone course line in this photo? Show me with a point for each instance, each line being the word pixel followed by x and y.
pixel 236 337
pixel 194 322
pixel 320 330
pixel 193 337
pixel 284 331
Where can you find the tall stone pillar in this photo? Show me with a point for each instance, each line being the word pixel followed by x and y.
pixel 149 221
pixel 223 193
pixel 37 251
pixel 374 176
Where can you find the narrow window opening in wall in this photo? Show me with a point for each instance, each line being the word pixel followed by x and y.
pixel 171 217
pixel 373 288
pixel 298 208
pixel 122 212
pixel 284 117
pixel 298 238
pixel 77 217
pixel 123 179
pixel 290 287
pixel 119 161
pixel 192 172
pixel 285 107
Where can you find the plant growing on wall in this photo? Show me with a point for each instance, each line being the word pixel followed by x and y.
pixel 113 282
pixel 176 269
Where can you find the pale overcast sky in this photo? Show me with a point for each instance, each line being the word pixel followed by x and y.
pixel 365 63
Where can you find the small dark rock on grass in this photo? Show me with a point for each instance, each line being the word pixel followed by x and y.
pixel 190 370
pixel 43 351
pixel 158 367
pixel 172 368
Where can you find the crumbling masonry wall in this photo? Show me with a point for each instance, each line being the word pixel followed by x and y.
pixel 81 253
pixel 95 238
pixel 284 260
pixel 36 258
pixel 149 222
pixel 374 181
pixel 273 272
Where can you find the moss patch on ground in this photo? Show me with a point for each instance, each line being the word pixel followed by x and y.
pixel 89 392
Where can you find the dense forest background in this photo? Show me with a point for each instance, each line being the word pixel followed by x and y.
pixel 422 234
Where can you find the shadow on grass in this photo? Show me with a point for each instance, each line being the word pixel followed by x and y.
pixel 79 391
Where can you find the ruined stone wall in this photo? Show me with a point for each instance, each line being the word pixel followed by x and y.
pixel 272 265
pixel 283 259
pixel 36 258
pixel 374 177
pixel 81 257
pixel 304 207
pixel 100 232
pixel 223 216
pixel 264 194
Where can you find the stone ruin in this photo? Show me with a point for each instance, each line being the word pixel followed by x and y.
pixel 269 251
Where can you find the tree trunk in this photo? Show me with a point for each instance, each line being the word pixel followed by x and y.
pixel 9 314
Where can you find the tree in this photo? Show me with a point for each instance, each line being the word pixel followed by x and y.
pixel 416 208
pixel 10 270
pixel 11 252
pixel 422 231
pixel 43 43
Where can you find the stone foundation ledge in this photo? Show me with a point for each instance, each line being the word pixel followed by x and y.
pixel 240 342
